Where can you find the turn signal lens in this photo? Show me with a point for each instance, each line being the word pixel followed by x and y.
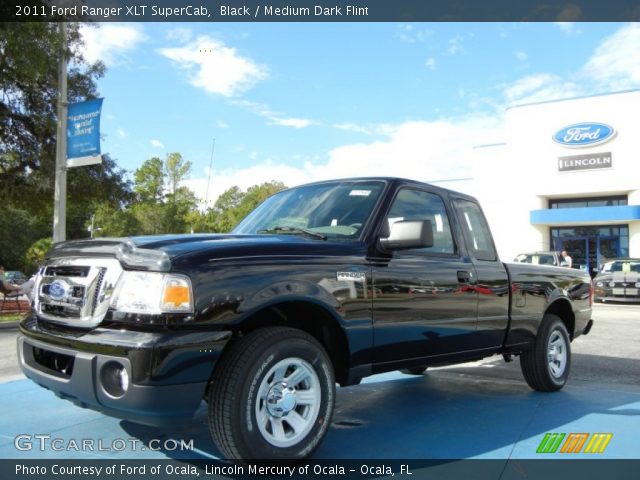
pixel 177 294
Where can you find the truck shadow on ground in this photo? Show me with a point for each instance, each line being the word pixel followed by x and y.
pixel 464 412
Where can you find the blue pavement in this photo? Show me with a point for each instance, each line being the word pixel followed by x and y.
pixel 442 415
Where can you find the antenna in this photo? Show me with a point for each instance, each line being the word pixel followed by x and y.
pixel 206 197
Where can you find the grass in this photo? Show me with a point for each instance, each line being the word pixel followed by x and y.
pixel 12 317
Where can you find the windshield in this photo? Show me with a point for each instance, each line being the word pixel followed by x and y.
pixel 336 210
pixel 625 266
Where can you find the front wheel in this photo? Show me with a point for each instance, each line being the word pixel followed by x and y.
pixel 272 396
pixel 546 366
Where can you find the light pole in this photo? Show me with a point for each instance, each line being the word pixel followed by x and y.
pixel 92 228
pixel 60 193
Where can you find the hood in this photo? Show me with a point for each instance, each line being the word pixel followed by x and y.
pixel 159 251
pixel 631 277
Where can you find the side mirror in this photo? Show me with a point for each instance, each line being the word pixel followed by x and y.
pixel 409 234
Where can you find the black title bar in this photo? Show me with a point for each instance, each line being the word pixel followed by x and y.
pixel 320 10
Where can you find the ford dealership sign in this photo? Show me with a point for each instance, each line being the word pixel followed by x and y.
pixel 584 134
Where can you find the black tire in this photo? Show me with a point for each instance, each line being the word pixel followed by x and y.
pixel 415 370
pixel 255 368
pixel 542 373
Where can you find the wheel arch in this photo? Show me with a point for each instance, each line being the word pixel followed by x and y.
pixel 561 307
pixel 319 321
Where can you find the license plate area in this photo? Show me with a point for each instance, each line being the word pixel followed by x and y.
pixel 54 363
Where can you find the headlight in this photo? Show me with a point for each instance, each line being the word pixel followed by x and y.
pixel 599 284
pixel 152 293
pixel 637 284
pixel 612 284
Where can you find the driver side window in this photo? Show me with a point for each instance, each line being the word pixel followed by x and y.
pixel 411 204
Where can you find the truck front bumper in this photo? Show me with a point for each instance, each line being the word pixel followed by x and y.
pixel 154 378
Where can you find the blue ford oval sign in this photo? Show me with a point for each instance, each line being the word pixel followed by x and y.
pixel 58 289
pixel 584 134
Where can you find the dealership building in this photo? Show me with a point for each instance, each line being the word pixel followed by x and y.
pixel 566 177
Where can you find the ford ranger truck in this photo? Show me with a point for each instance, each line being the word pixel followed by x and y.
pixel 321 284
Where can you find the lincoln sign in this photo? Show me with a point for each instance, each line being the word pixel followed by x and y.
pixel 585 162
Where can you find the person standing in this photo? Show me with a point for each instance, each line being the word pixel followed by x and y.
pixel 566 260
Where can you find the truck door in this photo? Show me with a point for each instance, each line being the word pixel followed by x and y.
pixel 422 306
pixel 492 282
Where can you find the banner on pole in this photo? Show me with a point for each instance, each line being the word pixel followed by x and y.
pixel 83 133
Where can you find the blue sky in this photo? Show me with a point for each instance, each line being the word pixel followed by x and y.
pixel 301 102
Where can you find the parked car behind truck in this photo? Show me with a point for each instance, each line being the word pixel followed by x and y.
pixel 322 283
pixel 549 258
pixel 618 281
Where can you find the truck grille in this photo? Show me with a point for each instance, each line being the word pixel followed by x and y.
pixel 76 291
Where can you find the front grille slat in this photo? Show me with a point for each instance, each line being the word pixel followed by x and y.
pixel 67 271
pixel 96 295
pixel 76 291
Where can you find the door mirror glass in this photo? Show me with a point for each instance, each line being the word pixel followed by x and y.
pixel 407 234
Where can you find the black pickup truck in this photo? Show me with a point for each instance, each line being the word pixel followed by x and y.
pixel 322 283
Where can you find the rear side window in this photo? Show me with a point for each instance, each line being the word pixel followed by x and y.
pixel 412 204
pixel 475 230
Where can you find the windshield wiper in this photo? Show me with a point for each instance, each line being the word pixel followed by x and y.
pixel 293 230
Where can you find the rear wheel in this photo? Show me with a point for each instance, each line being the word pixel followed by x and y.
pixel 546 366
pixel 272 396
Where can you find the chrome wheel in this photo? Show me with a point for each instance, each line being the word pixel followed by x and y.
pixel 556 354
pixel 288 402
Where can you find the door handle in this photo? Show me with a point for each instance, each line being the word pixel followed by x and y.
pixel 464 276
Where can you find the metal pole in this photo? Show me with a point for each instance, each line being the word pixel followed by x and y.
pixel 60 193
pixel 206 197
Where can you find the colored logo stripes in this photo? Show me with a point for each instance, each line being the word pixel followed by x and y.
pixel 574 443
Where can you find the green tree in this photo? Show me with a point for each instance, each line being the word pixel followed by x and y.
pixel 164 205
pixel 28 97
pixel 28 82
pixel 149 181
pixel 234 204
pixel 176 169
pixel 36 253
pixel 113 221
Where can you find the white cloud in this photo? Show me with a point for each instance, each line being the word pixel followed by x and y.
pixel 421 150
pixel 222 124
pixel 110 42
pixel 408 33
pixel 244 178
pixel 215 67
pixel 568 28
pixel 615 64
pixel 430 63
pixel 156 143
pixel 179 34
pixel 522 56
pixel 455 45
pixel 541 87
pixel 353 127
pixel 274 118
pixel 121 133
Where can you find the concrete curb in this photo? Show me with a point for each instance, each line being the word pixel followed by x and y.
pixel 9 325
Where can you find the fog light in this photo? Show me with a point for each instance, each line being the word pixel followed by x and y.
pixel 637 284
pixel 114 378
pixel 612 284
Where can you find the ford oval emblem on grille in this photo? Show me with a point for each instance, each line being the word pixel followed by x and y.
pixel 584 134
pixel 58 289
